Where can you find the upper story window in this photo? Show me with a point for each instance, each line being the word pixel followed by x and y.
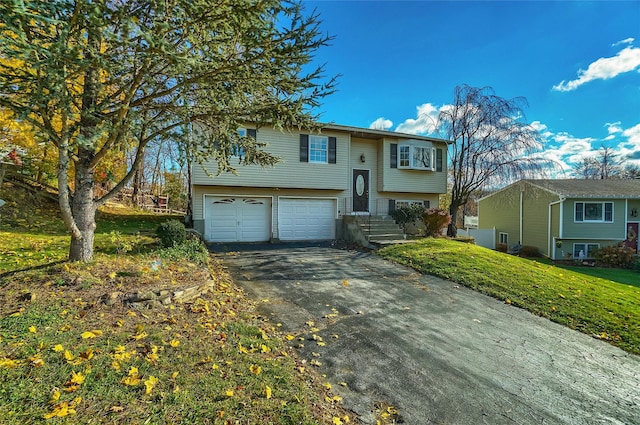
pixel 594 212
pixel 318 147
pixel 416 157
pixel 236 150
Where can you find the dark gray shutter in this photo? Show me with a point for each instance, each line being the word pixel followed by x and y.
pixel 332 150
pixel 253 133
pixel 304 148
pixel 392 205
pixel 394 155
pixel 439 159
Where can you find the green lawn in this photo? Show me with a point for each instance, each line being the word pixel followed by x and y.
pixel 593 304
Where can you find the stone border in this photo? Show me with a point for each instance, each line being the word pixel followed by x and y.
pixel 158 298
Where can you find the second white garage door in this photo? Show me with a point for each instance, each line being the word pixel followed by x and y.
pixel 306 219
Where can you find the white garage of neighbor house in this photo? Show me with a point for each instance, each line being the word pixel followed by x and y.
pixel 321 178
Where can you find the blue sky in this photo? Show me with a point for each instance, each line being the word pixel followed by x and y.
pixel 576 62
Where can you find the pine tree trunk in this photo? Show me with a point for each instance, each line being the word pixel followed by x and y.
pixel 83 209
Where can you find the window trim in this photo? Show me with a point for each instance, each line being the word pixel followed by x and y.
pixel 506 238
pixel 407 153
pixel 325 140
pixel 575 253
pixel 580 212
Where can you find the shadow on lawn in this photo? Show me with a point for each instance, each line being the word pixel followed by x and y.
pixel 26 269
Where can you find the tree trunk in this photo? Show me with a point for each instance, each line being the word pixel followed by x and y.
pixel 452 229
pixel 83 209
pixel 137 188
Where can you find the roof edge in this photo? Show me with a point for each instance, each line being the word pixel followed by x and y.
pixel 369 131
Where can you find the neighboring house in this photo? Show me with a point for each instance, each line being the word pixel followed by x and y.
pixel 339 171
pixel 563 218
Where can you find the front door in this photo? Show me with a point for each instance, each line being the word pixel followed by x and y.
pixel 360 190
pixel 632 236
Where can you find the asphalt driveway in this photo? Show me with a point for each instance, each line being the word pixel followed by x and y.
pixel 440 353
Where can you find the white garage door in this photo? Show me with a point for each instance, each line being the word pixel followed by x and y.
pixel 237 219
pixel 306 219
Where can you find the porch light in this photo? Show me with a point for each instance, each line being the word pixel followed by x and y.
pixel 362 158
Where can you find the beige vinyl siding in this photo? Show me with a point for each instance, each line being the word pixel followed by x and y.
pixel 405 180
pixel 289 172
pixel 584 230
pixel 200 192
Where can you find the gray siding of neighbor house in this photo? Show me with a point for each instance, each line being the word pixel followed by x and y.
pixel 586 230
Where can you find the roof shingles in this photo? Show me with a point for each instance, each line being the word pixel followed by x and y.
pixel 590 188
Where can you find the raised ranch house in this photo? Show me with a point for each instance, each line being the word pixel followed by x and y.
pixel 338 173
pixel 563 218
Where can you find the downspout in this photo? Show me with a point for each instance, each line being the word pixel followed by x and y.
pixel 521 242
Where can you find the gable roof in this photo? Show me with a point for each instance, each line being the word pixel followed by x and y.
pixel 590 188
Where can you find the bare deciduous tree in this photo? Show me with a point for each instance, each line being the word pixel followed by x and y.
pixel 492 144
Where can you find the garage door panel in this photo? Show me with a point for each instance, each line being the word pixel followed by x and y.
pixel 306 219
pixel 235 219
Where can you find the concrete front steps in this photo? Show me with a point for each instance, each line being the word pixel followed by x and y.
pixel 372 231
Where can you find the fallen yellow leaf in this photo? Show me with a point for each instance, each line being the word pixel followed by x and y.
pixel 91 334
pixel 149 384
pixel 267 392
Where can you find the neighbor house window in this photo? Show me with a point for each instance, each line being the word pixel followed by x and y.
pixel 594 211
pixel 318 147
pixel 588 249
pixel 504 238
pixel 416 157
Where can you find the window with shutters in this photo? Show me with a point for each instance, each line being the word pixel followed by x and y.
pixel 318 149
pixel 236 149
pixel 416 157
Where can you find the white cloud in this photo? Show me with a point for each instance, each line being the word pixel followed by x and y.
pixel 629 149
pixel 381 124
pixel 626 60
pixel 425 122
pixel 614 127
pixel 625 41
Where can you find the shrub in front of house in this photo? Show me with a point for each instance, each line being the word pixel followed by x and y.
pixel 530 251
pixel 501 247
pixel 435 221
pixel 616 256
pixel 407 215
pixel 171 233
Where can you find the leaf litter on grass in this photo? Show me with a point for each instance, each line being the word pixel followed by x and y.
pixel 67 353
